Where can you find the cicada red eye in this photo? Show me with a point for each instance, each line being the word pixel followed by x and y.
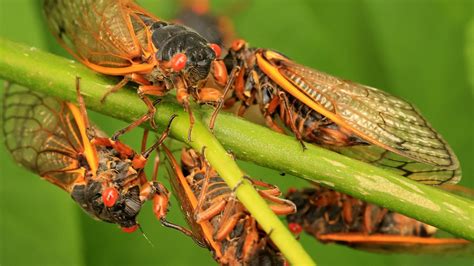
pixel 295 228
pixel 130 229
pixel 178 62
pixel 110 196
pixel 238 44
pixel 217 49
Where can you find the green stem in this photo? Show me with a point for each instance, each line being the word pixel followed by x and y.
pixel 55 76
pixel 253 143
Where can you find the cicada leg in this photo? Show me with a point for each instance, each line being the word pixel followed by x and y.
pixel 232 214
pixel 269 112
pixel 182 96
pixel 136 123
pixel 281 206
pixel 220 101
pixel 292 123
pixel 213 209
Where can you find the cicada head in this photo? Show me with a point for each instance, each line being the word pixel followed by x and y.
pixel 114 194
pixel 184 52
pixel 109 204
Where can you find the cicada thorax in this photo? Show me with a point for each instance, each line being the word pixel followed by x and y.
pixel 217 218
pixel 121 38
pixel 334 217
pixel 352 119
pixel 54 139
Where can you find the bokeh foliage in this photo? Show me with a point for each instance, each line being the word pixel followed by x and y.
pixel 419 50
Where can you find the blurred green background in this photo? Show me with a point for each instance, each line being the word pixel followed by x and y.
pixel 422 51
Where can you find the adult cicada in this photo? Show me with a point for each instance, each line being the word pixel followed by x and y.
pixel 218 220
pixel 350 118
pixel 118 37
pixel 55 140
pixel 334 217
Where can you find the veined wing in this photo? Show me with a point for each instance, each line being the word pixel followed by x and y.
pixel 375 116
pixel 425 173
pixel 43 135
pixel 188 200
pixel 102 34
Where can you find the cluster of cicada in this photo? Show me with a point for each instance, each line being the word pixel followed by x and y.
pixel 106 178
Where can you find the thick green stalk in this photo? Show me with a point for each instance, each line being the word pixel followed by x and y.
pixel 254 143
pixel 56 76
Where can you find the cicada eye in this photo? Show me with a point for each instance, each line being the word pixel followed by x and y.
pixel 217 49
pixel 110 196
pixel 178 62
pixel 237 45
pixel 130 229
pixel 295 228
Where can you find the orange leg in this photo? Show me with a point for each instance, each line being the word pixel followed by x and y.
pixel 139 121
pixel 220 101
pixel 282 206
pixel 126 79
pixel 292 123
pixel 228 220
pixel 182 96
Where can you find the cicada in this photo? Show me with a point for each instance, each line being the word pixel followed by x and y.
pixel 334 217
pixel 353 119
pixel 55 140
pixel 217 218
pixel 118 37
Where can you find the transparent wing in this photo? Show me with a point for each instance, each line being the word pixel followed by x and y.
pixel 382 120
pixel 107 33
pixel 425 173
pixel 401 244
pixel 41 134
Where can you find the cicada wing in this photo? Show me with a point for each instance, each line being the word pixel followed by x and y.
pixel 400 244
pixel 42 135
pixel 185 196
pixel 373 115
pixel 422 172
pixel 107 33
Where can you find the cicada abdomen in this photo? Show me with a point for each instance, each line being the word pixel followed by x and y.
pixel 353 119
pixel 217 218
pixel 334 217
pixel 120 38
pixel 55 140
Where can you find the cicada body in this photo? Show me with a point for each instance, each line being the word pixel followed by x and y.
pixel 217 218
pixel 54 139
pixel 353 119
pixel 120 38
pixel 334 217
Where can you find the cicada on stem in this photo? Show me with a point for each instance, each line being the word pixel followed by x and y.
pixel 120 38
pixel 350 118
pixel 54 139
pixel 217 219
pixel 334 217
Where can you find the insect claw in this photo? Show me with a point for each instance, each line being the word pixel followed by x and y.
pixel 303 145
pixel 238 184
